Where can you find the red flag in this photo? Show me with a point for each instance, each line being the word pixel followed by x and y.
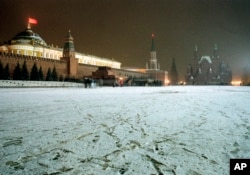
pixel 32 21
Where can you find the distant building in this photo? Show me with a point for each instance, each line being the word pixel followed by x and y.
pixel 173 74
pixel 246 74
pixel 206 70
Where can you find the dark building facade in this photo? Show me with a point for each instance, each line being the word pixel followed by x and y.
pixel 246 75
pixel 206 70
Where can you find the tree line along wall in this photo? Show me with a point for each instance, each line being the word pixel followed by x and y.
pixel 61 66
pixel 12 60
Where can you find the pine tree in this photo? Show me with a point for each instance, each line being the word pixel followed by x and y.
pixel 40 73
pixel 1 70
pixel 6 72
pixel 49 75
pixel 25 73
pixel 54 74
pixel 17 72
pixel 34 73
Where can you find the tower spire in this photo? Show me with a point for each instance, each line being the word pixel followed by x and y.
pixel 69 55
pixel 153 59
pixel 69 48
pixel 153 42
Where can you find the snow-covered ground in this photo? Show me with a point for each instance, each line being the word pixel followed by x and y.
pixel 19 83
pixel 130 130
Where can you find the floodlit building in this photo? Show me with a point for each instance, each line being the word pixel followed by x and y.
pixel 29 43
pixel 28 48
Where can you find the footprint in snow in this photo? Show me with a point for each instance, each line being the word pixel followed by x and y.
pixel 13 141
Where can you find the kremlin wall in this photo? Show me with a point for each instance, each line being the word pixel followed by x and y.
pixel 27 46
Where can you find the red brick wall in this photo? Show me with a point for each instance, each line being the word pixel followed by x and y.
pixel 61 66
pixel 85 70
pixel 12 60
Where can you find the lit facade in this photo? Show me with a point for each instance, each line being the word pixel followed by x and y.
pixel 29 43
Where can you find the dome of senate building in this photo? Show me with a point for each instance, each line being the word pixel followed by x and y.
pixel 28 37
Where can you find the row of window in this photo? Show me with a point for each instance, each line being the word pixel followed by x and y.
pixel 36 54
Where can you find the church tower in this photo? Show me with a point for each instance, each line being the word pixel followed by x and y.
pixel 69 56
pixel 153 59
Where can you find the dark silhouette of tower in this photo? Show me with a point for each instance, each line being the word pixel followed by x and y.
pixel 69 55
pixel 173 74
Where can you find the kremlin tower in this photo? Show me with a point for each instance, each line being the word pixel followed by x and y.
pixel 153 57
pixel 69 55
pixel 159 77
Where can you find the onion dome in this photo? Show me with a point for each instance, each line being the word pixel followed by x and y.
pixel 28 37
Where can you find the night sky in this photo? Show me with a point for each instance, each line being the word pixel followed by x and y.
pixel 121 29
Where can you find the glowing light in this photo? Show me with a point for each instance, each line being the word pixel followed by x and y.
pixel 166 81
pixel 182 83
pixel 32 21
pixel 153 35
pixel 236 83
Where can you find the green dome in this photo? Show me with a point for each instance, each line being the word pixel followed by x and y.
pixel 28 37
